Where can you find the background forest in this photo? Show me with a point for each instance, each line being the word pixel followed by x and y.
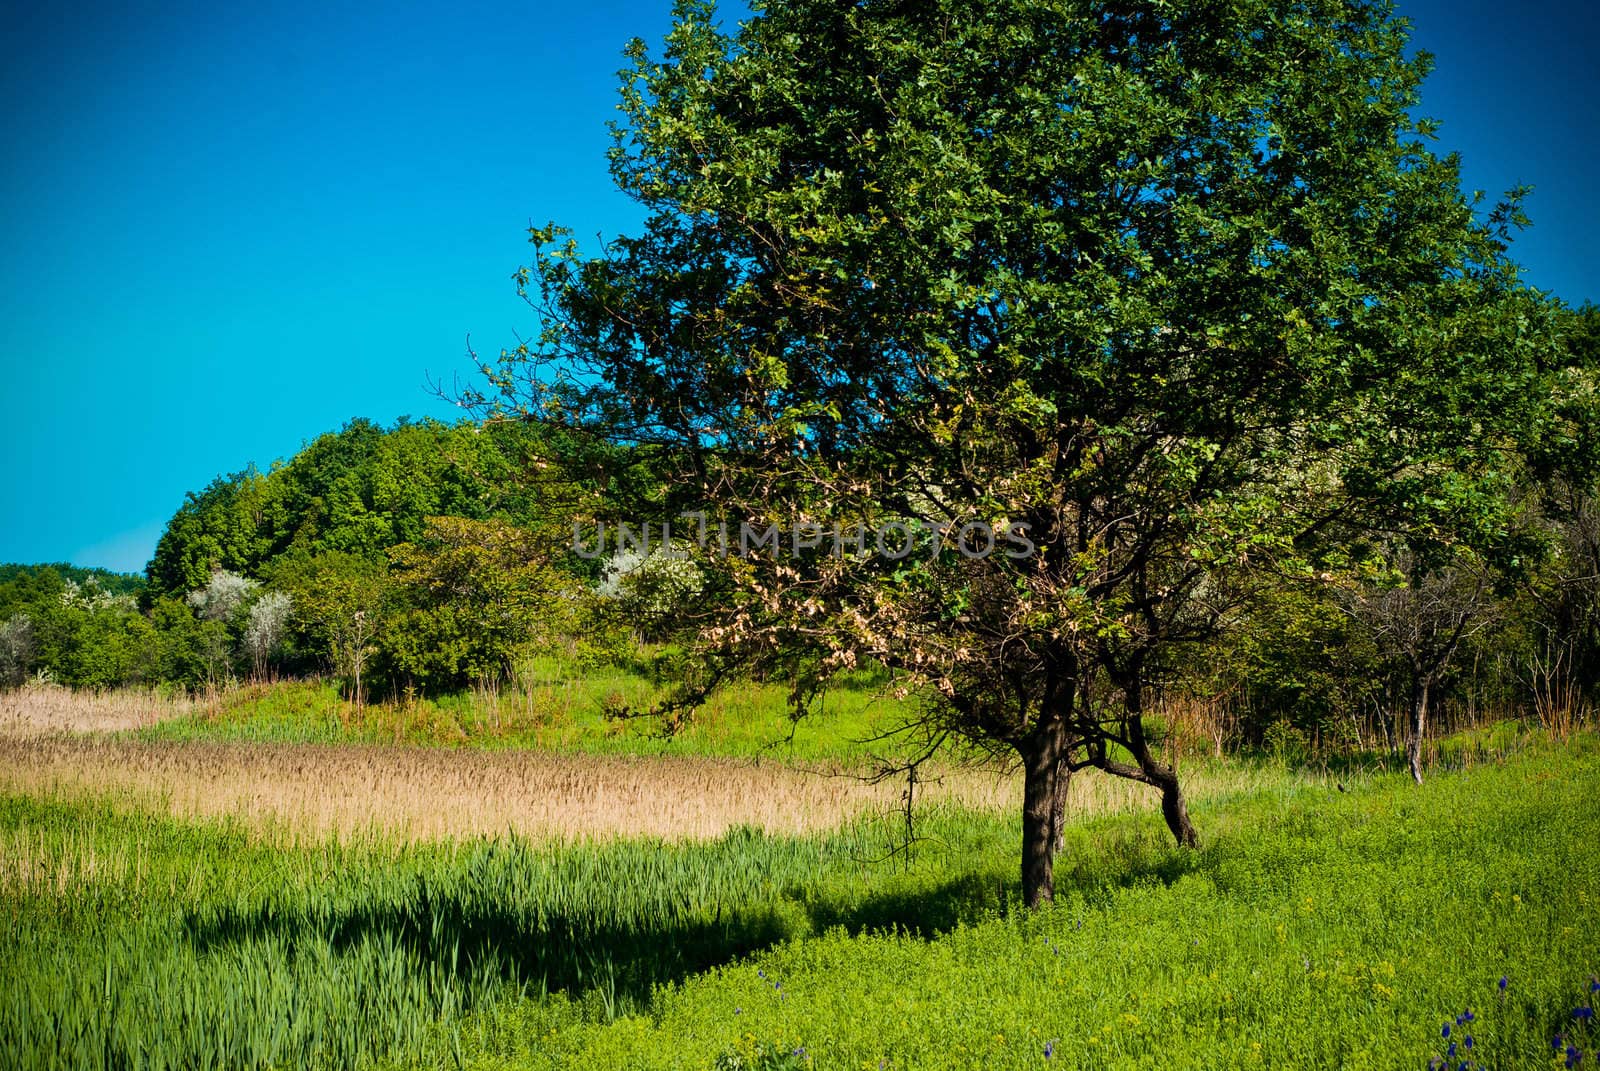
pixel 425 560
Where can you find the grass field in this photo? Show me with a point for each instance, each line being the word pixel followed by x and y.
pixel 554 706
pixel 1317 928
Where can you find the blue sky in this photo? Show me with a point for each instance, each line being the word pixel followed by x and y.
pixel 225 229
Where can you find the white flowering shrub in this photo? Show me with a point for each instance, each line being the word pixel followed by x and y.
pixel 263 632
pixel 652 588
pixel 90 596
pixel 224 593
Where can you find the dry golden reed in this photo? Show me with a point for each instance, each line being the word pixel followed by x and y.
pixel 318 790
pixel 435 792
pixel 50 708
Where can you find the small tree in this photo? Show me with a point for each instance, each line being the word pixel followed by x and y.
pixel 1422 617
pixel 264 630
pixel 17 649
pixel 471 596
pixel 339 606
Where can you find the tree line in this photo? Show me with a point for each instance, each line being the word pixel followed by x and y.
pixel 393 558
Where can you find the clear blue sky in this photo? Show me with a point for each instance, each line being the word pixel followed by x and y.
pixel 225 229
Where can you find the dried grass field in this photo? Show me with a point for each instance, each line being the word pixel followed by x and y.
pixel 49 709
pixel 57 744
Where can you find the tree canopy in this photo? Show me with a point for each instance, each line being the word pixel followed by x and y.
pixel 1182 289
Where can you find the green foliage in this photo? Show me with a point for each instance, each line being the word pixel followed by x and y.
pixel 1296 656
pixel 226 526
pixel 25 585
pixel 77 626
pixel 471 597
pixel 358 491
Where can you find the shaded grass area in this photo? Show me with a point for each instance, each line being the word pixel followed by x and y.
pixel 1316 929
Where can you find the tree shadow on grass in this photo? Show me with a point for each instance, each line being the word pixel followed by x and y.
pixel 474 937
pixel 470 936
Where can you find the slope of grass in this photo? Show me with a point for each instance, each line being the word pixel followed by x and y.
pixel 555 707
pixel 1316 929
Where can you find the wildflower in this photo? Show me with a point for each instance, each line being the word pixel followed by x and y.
pixel 1469 1041
pixel 1049 1049
pixel 1504 981
pixel 1574 1057
pixel 1450 1053
pixel 1446 1031
pixel 1583 1013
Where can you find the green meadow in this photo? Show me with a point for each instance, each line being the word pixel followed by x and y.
pixel 1317 927
pixel 559 706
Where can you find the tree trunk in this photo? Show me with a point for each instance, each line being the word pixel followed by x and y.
pixel 1419 722
pixel 1174 808
pixel 1059 817
pixel 1043 796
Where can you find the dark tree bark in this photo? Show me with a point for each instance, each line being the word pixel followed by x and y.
pixel 1149 770
pixel 1174 808
pixel 1063 782
pixel 1045 776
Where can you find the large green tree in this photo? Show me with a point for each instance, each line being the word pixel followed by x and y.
pixel 1180 287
